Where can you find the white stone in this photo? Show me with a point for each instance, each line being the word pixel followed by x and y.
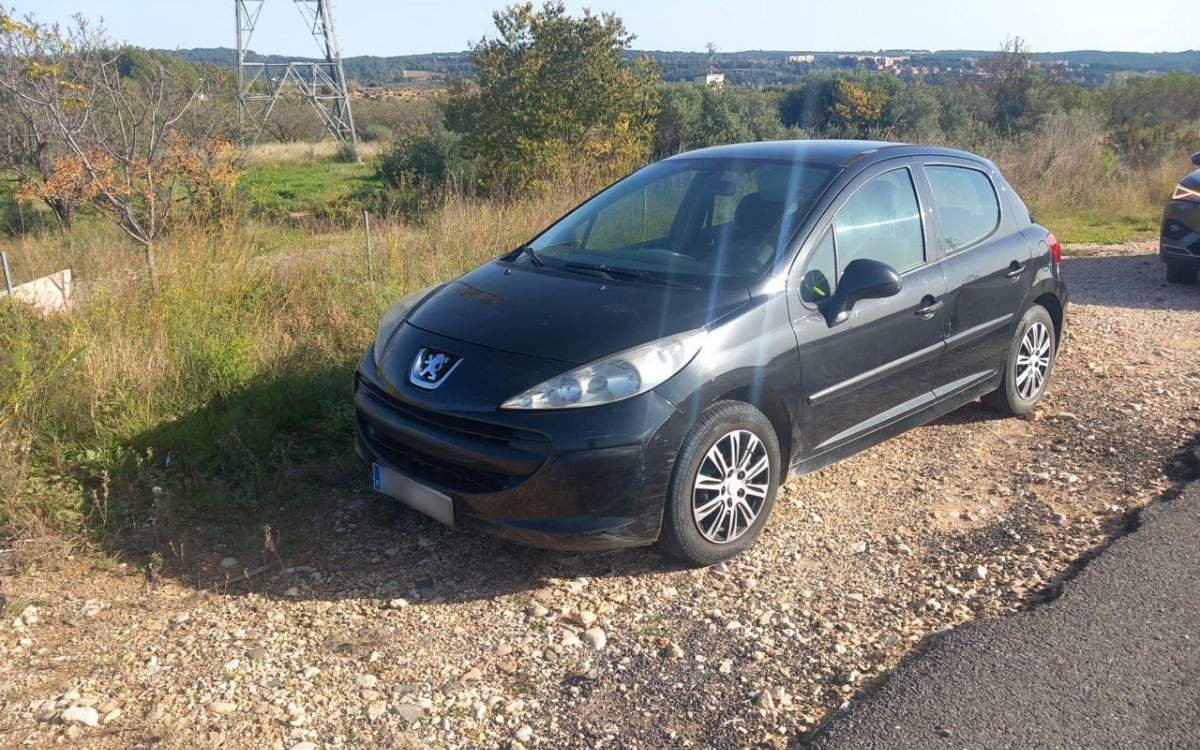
pixel 595 638
pixel 81 716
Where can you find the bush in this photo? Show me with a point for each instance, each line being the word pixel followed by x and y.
pixel 692 116
pixel 422 166
pixel 554 93
pixel 347 153
pixel 375 132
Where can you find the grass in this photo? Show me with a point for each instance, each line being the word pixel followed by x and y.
pixel 226 389
pixel 285 181
pixel 1102 228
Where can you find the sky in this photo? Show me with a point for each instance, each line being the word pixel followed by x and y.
pixel 402 27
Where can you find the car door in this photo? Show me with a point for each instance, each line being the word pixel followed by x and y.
pixel 878 365
pixel 986 262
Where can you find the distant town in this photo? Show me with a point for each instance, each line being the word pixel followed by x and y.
pixel 760 68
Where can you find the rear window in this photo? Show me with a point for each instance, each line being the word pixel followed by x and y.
pixel 967 204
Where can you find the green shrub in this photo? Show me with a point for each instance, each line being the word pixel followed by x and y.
pixel 422 166
pixel 375 132
pixel 347 153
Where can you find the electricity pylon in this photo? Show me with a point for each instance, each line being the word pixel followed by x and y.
pixel 321 82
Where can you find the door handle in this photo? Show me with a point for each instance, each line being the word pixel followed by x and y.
pixel 1016 271
pixel 928 307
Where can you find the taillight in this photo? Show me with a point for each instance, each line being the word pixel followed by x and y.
pixel 1185 194
pixel 1055 247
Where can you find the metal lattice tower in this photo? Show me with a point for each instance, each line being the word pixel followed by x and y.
pixel 322 83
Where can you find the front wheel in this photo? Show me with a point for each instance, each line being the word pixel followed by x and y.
pixel 723 486
pixel 1027 366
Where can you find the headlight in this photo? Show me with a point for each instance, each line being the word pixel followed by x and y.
pixel 1183 193
pixel 393 316
pixel 614 378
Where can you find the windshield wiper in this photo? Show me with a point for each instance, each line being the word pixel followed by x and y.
pixel 534 256
pixel 589 270
pixel 629 275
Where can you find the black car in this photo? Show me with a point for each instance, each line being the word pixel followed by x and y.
pixel 1180 243
pixel 655 364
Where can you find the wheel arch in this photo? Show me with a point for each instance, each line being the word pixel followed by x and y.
pixel 772 405
pixel 1053 306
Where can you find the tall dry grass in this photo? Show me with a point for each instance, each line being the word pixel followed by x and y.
pixel 228 382
pixel 1064 168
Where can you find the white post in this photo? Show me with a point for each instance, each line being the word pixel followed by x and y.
pixel 7 278
pixel 370 264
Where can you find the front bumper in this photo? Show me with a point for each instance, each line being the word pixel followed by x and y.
pixel 1180 237
pixel 579 479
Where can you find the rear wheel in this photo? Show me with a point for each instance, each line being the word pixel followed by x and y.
pixel 1027 366
pixel 723 487
pixel 1181 275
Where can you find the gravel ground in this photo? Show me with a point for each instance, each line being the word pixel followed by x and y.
pixel 364 625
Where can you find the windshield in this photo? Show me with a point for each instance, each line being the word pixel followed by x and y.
pixel 696 220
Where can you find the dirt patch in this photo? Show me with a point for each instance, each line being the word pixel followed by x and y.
pixel 371 627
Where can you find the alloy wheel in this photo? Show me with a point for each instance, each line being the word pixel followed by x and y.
pixel 731 486
pixel 1033 361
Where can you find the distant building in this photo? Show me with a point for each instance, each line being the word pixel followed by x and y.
pixel 709 79
pixel 882 61
pixel 801 58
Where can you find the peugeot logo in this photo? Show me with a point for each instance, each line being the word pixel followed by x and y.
pixel 431 368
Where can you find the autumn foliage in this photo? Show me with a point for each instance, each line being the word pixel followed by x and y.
pixel 88 122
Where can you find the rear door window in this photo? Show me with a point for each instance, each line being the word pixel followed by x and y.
pixel 967 204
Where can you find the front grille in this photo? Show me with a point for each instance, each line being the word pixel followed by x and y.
pixel 439 473
pixel 486 462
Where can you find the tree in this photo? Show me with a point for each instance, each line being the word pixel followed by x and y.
pixel 124 123
pixel 1015 86
pixel 29 135
pixel 693 116
pixel 679 119
pixel 553 91
pixel 857 103
pixel 293 119
pixel 854 107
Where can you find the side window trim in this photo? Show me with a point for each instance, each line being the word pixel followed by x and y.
pixel 943 249
pixel 827 230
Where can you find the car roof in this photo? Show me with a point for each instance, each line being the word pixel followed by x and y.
pixel 840 152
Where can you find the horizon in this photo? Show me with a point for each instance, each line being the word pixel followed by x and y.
pixel 719 53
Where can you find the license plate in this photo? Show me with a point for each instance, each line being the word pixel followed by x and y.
pixel 437 505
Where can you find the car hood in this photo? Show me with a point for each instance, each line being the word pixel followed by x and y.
pixel 1192 180
pixel 562 316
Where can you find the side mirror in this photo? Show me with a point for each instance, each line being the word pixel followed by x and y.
pixel 1196 158
pixel 863 279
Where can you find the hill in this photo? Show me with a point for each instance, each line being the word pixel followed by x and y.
pixel 752 67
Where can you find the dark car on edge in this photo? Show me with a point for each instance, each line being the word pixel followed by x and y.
pixel 1180 242
pixel 656 363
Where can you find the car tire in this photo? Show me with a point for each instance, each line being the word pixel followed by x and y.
pixel 1180 275
pixel 714 510
pixel 1030 355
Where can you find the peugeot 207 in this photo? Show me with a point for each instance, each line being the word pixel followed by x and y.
pixel 656 363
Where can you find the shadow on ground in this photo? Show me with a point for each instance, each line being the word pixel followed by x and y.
pixel 1129 281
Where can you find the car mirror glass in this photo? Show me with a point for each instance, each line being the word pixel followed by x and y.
pixel 815 287
pixel 1196 158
